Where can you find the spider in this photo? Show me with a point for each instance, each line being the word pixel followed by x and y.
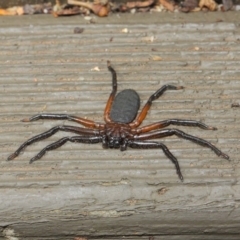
pixel 121 128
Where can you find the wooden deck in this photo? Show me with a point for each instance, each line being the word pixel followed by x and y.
pixel 82 190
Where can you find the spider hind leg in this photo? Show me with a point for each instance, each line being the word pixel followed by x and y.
pixel 49 133
pixel 170 132
pixel 152 145
pixel 62 141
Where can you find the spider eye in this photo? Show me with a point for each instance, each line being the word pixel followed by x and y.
pixel 114 142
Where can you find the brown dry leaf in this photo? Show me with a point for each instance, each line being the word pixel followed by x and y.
pixel 12 11
pixel 227 5
pixel 168 5
pixel 139 4
pixel 30 9
pixel 57 6
pixel 20 10
pixel 5 12
pixel 99 9
pixel 102 2
pixel 210 4
pixel 197 9
pixel 188 5
pixel 66 12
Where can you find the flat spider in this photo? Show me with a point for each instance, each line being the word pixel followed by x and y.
pixel 120 129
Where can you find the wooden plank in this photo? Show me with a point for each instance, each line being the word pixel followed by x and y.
pixel 84 190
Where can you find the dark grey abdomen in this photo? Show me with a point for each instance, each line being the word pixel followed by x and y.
pixel 125 106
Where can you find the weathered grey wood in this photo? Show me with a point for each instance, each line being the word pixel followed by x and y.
pixel 83 190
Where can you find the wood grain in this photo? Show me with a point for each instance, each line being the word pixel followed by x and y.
pixel 85 191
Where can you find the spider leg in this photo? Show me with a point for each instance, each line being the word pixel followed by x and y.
pixel 84 122
pixel 178 122
pixel 112 94
pixel 169 132
pixel 49 133
pixel 59 143
pixel 147 106
pixel 151 145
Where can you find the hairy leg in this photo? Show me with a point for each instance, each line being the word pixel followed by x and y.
pixel 178 122
pixel 84 122
pixel 59 143
pixel 112 94
pixel 151 145
pixel 169 132
pixel 49 133
pixel 147 106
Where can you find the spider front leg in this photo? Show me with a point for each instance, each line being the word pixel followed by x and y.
pixel 49 133
pixel 59 143
pixel 112 94
pixel 147 106
pixel 84 122
pixel 152 145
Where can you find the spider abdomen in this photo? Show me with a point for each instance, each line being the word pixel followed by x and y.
pixel 125 106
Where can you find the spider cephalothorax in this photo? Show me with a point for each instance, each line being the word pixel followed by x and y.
pixel 121 127
pixel 116 135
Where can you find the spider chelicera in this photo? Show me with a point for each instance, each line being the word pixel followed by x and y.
pixel 121 127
